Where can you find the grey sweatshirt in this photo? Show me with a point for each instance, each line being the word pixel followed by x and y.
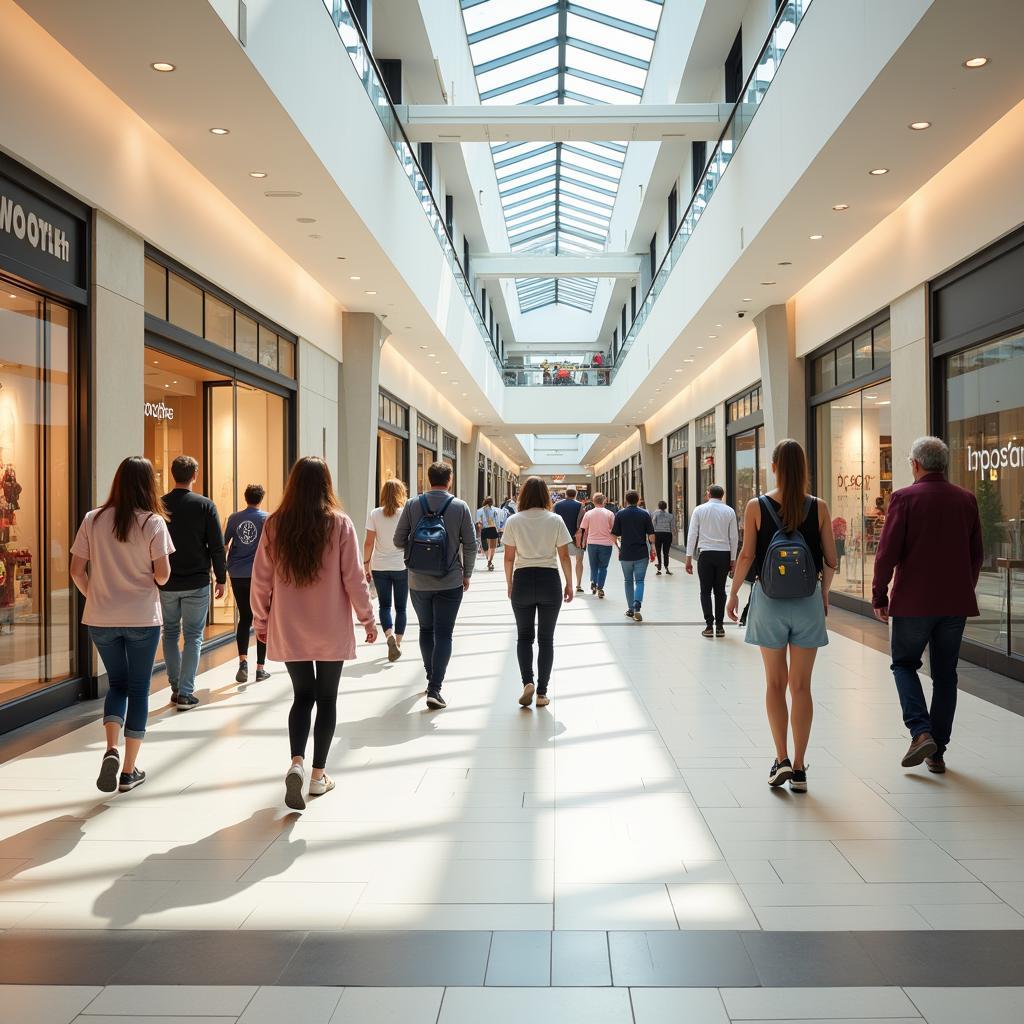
pixel 663 522
pixel 458 521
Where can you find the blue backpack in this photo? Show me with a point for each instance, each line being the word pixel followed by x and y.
pixel 428 545
pixel 788 570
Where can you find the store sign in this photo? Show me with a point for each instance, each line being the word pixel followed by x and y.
pixel 1009 456
pixel 853 482
pixel 158 411
pixel 38 236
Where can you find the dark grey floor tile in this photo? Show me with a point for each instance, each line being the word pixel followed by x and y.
pixel 951 958
pixel 795 959
pixel 66 957
pixel 390 959
pixel 580 958
pixel 211 958
pixel 705 959
pixel 520 958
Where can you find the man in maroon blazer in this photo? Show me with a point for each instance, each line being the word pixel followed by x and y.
pixel 932 540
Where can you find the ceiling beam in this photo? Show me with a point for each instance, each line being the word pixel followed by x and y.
pixel 488 266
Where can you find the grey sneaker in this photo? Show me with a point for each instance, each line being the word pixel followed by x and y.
pixel 242 675
pixel 129 780
pixel 261 674
pixel 293 788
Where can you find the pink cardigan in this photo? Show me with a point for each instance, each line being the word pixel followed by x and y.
pixel 312 623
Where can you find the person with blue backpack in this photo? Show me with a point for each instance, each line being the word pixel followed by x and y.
pixel 788 541
pixel 438 535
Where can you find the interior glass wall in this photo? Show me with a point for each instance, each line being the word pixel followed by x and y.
pixel 706 445
pixel 679 470
pixel 748 473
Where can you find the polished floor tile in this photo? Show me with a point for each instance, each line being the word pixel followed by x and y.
pixel 977 1005
pixel 388 1006
pixel 539 1006
pixel 824 1003
pixel 276 1004
pixel 55 1004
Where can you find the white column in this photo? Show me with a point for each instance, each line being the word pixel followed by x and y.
pixel 652 461
pixel 318 406
pixel 412 467
pixel 911 379
pixel 692 470
pixel 721 448
pixel 783 383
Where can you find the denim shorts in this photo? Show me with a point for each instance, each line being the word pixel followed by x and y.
pixel 777 623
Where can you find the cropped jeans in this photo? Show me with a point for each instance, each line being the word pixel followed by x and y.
pixel 127 653
pixel 392 584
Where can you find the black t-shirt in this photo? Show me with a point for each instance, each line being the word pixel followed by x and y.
pixel 633 526
pixel 198 541
pixel 766 531
pixel 569 510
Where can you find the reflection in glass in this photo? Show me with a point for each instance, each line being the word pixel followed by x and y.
pixel 220 322
pixel 185 304
pixel 156 289
pixel 268 348
pixel 246 337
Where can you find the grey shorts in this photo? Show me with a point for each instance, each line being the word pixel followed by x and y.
pixel 779 623
pixel 575 552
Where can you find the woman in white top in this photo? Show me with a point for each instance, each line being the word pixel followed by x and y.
pixel 384 563
pixel 536 542
pixel 122 551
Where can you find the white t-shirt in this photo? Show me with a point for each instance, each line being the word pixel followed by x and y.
pixel 386 557
pixel 536 535
pixel 488 517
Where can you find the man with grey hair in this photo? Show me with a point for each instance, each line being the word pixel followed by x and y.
pixel 932 541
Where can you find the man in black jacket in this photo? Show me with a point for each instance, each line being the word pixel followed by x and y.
pixel 198 544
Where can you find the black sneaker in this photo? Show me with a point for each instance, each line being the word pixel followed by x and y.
pixel 593 588
pixel 579 590
pixel 798 782
pixel 107 779
pixel 435 700
pixel 186 703
pixel 261 674
pixel 708 631
pixel 630 613
pixel 174 695
pixel 668 572
pixel 720 631
pixel 242 675
pixel 129 780
pixel 782 771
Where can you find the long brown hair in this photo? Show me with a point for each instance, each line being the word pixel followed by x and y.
pixel 302 524
pixel 791 475
pixel 133 490
pixel 534 494
pixel 392 497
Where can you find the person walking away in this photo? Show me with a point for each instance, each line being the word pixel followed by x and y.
pixel 595 535
pixel 487 524
pixel 663 527
pixel 242 534
pixel 714 533
pixel 634 536
pixel 119 557
pixel 932 540
pixel 437 594
pixel 306 582
pixel 570 510
pixel 384 564
pixel 185 597
pixel 537 541
pixel 787 536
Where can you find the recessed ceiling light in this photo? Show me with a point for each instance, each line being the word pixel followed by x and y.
pixel 766 283
pixel 975 62
pixel 712 336
pixel 700 348
pixel 815 238
pixel 355 277
pixel 424 347
pixel 839 207
pixel 167 385
pixel 339 257
pixel 257 174
pixel 463 394
pixel 220 131
pixel 316 236
pixel 453 382
pixel 690 360
pixel 162 65
pixel 13 296
pixel 370 292
pixel 444 373
pixel 878 171
pixel 680 370
pixel 785 263
pixel 919 126
pixel 283 193
pixel 747 300
pixel 306 220
pixel 174 382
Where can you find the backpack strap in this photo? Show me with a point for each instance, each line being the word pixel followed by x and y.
pixel 765 502
pixel 425 506
pixel 444 507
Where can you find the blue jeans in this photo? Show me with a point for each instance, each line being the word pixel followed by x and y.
pixel 127 653
pixel 436 611
pixel 393 583
pixel 633 574
pixel 600 555
pixel 184 610
pixel 941 634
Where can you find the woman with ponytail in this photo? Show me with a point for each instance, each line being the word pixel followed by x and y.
pixel 789 630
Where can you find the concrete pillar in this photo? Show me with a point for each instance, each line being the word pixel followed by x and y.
pixel 118 332
pixel 911 379
pixel 721 449
pixel 652 461
pixel 783 380
pixel 363 335
pixel 412 467
pixel 469 454
pixel 693 499
pixel 318 406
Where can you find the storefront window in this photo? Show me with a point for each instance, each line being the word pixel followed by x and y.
pixel 185 305
pixel 678 496
pixel 37 623
pixel 705 433
pixel 985 416
pixel 391 459
pixel 220 322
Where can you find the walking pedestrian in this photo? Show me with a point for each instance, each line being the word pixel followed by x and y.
pixel 437 598
pixel 384 564
pixel 932 540
pixel 306 582
pixel 787 536
pixel 119 557
pixel 570 511
pixel 242 534
pixel 536 542
pixel 634 536
pixel 664 524
pixel 595 534
pixel 487 520
pixel 714 533
pixel 185 597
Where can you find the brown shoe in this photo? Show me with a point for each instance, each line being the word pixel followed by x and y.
pixel 936 765
pixel 921 746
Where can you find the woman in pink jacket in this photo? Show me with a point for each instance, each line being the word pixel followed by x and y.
pixel 306 580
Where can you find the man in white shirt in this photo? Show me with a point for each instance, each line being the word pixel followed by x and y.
pixel 714 533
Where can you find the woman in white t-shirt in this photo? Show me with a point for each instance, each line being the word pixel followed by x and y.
pixel 536 542
pixel 384 564
pixel 122 551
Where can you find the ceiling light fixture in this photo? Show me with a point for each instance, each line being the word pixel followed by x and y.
pixel 839 207
pixel 690 360
pixel 878 171
pixel 371 292
pixel 162 65
pixel 316 236
pixel 815 238
pixel 257 174
pixel 787 263
pixel 747 300
pixel 713 337
pixel 283 193
pixel 306 220
pixel 919 126
pixel 354 277
pixel 767 283
pixel 975 62
pixel 423 347
pixel 220 131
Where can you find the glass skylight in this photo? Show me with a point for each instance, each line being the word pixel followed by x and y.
pixel 558 197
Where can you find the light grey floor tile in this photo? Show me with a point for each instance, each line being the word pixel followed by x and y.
pixel 38 1004
pixel 538 1006
pixel 678 1006
pixel 605 907
pixel 972 917
pixel 580 958
pixel 290 1005
pixel 136 1018
pixel 388 1006
pixel 520 959
pixel 173 1000
pixel 977 1005
pixel 825 1003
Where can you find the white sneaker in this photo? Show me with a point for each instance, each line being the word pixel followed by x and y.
pixel 293 788
pixel 317 787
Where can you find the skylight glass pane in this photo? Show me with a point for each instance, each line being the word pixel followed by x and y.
pixel 495 12
pixel 517 39
pixel 596 92
pixel 606 68
pixel 638 12
pixel 608 37
pixel 517 69
pixel 522 94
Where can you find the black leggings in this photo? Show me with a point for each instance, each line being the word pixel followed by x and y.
pixel 662 542
pixel 240 588
pixel 536 597
pixel 313 682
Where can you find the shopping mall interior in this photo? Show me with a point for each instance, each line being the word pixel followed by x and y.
pixel 619 245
